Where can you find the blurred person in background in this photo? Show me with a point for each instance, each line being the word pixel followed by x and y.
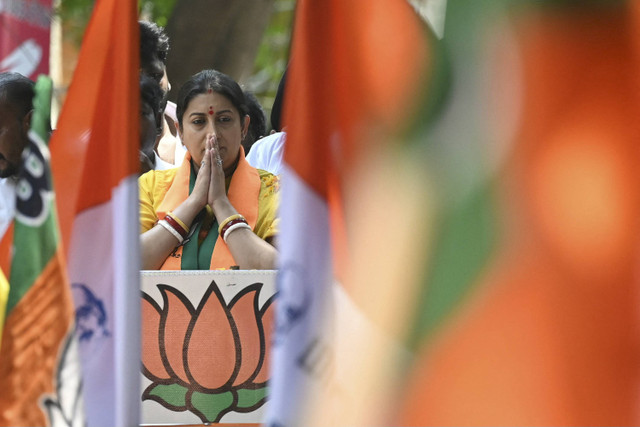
pixel 267 153
pixel 16 97
pixel 154 48
pixel 257 125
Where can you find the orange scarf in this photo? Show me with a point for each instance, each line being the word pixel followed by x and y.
pixel 244 190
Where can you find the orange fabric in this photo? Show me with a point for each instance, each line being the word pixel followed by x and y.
pixel 322 139
pixel 551 338
pixel 97 136
pixel 243 195
pixel 30 348
pixel 329 97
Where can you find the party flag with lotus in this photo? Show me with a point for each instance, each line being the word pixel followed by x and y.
pixel 95 163
pixel 40 374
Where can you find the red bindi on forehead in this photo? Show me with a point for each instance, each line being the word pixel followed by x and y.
pixel 211 110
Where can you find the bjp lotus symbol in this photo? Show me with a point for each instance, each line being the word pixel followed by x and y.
pixel 211 360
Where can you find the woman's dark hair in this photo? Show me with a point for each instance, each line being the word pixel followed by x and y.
pixel 257 125
pixel 276 108
pixel 216 81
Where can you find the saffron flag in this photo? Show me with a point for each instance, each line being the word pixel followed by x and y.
pixel 466 254
pixel 95 163
pixel 354 83
pixel 39 368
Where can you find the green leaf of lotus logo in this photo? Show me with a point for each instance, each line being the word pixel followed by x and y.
pixel 211 360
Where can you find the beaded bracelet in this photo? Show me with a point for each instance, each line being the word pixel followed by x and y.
pixel 233 227
pixel 226 221
pixel 176 226
pixel 179 221
pixel 171 230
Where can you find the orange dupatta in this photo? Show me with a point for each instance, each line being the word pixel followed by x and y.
pixel 243 193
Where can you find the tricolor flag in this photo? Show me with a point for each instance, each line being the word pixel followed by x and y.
pixel 40 375
pixel 473 261
pixel 530 312
pixel 95 163
pixel 356 79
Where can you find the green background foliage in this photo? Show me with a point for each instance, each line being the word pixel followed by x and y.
pixel 270 61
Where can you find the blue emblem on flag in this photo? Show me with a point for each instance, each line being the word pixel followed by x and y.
pixel 91 316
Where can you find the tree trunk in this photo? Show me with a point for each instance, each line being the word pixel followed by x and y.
pixel 219 34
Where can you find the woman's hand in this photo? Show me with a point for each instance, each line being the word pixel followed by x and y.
pixel 200 192
pixel 217 190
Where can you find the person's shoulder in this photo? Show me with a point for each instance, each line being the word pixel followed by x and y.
pixel 269 141
pixel 267 145
pixel 162 164
pixel 267 152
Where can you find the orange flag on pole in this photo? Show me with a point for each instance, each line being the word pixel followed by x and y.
pixel 95 164
pixel 351 88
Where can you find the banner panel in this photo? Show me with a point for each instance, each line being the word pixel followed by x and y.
pixel 205 346
pixel 24 36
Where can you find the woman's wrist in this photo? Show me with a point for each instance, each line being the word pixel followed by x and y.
pixel 222 208
pixel 188 210
pixel 194 203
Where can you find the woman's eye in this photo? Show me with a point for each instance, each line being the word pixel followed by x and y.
pixel 224 119
pixel 197 121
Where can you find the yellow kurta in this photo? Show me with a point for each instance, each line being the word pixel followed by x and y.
pixel 154 186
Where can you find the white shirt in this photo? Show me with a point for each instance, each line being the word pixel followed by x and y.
pixel 180 150
pixel 266 153
pixel 7 203
pixel 162 165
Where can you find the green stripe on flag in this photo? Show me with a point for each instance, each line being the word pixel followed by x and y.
pixel 463 247
pixel 450 134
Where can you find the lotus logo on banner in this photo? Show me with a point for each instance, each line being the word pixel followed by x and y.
pixel 209 360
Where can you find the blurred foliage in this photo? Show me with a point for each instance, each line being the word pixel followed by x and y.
pixel 271 60
pixel 157 11
pixel 273 55
pixel 76 13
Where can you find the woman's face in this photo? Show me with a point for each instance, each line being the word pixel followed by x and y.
pixel 210 114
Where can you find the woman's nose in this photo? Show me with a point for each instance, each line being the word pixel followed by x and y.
pixel 211 131
pixel 211 127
